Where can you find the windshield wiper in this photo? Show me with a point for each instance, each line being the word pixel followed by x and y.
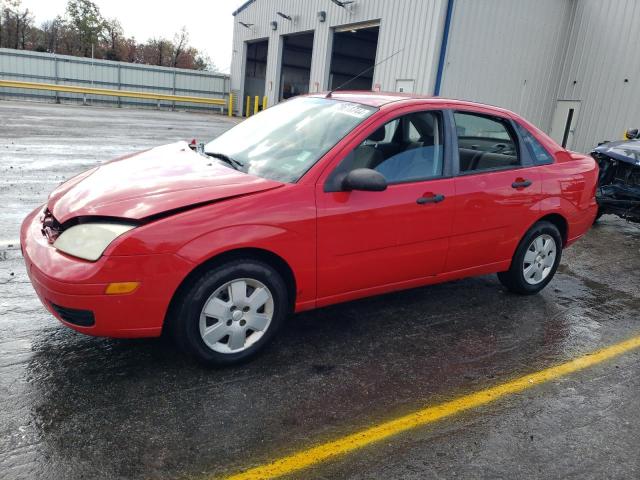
pixel 227 159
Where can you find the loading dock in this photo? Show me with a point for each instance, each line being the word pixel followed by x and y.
pixel 255 68
pixel 296 64
pixel 354 55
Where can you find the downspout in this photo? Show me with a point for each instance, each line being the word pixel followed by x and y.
pixel 443 47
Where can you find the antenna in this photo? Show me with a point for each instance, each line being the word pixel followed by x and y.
pixel 328 95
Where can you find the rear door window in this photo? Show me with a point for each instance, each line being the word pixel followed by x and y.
pixel 485 143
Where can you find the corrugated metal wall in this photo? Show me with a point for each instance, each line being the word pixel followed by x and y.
pixel 413 27
pixel 66 70
pixel 508 53
pixel 520 54
pixel 604 52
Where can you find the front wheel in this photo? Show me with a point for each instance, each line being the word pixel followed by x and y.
pixel 535 261
pixel 231 312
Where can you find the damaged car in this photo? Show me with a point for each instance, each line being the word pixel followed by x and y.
pixel 318 200
pixel 619 180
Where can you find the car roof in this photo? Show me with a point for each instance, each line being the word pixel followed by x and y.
pixel 391 99
pixel 379 99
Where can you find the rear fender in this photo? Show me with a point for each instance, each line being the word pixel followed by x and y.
pixel 579 217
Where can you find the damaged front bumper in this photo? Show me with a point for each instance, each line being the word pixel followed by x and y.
pixel 75 290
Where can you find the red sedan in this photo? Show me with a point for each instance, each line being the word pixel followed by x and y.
pixel 318 200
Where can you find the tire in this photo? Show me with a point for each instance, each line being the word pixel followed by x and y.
pixel 538 254
pixel 213 318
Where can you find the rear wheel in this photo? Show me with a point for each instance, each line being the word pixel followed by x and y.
pixel 535 261
pixel 231 312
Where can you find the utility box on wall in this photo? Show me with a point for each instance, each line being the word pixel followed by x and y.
pixel 405 86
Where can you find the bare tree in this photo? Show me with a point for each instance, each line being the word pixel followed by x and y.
pixel 113 35
pixel 52 31
pixel 16 24
pixel 2 8
pixel 25 22
pixel 180 41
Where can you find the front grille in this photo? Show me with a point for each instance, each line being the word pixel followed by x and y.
pixel 82 318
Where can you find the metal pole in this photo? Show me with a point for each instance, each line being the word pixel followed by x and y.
pixel 248 105
pixel 256 105
pixel 93 71
pixel 173 104
pixel 230 113
pixel 264 102
pixel 119 85
pixel 55 73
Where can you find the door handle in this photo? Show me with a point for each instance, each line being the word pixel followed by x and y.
pixel 432 199
pixel 521 183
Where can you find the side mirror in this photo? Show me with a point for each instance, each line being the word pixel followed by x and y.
pixel 364 179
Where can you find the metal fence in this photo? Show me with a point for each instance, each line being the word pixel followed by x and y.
pixel 26 66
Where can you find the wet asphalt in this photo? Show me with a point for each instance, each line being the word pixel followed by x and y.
pixel 75 407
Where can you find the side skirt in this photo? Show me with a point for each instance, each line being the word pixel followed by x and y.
pixel 418 282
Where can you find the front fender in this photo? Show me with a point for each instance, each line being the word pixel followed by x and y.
pixel 292 247
pixel 222 240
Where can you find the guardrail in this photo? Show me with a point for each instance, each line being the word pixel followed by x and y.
pixel 119 93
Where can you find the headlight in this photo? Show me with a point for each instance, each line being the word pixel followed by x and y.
pixel 89 240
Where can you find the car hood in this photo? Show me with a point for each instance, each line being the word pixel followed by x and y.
pixel 626 151
pixel 152 182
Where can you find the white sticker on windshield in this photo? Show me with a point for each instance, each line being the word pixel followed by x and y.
pixel 354 110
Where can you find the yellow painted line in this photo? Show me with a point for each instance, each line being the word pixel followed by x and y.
pixel 342 446
pixel 109 92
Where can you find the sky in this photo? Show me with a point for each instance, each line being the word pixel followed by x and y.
pixel 209 22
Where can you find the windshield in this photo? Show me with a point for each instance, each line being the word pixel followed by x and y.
pixel 284 141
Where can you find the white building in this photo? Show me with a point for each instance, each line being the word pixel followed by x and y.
pixel 569 66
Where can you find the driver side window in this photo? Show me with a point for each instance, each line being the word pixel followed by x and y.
pixel 406 149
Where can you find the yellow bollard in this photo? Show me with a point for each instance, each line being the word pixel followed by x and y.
pixel 230 104
pixel 256 105
pixel 264 102
pixel 248 109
